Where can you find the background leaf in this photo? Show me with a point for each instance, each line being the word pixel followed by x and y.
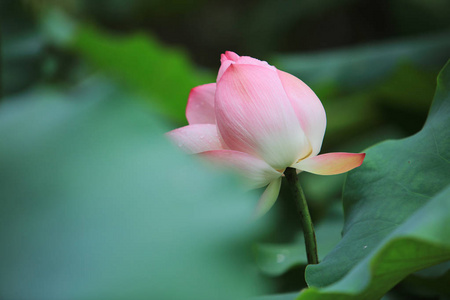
pixel 276 259
pixel 138 58
pixel 359 67
pixel 161 75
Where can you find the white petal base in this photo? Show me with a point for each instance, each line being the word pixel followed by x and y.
pixel 255 171
pixel 268 198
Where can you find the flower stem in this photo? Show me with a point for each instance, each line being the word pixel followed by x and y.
pixel 302 206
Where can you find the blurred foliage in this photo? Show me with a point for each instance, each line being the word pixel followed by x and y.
pixel 94 206
pixel 356 68
pixel 136 59
pixel 21 44
pixel 65 133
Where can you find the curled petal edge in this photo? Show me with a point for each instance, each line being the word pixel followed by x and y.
pixel 229 58
pixel 331 163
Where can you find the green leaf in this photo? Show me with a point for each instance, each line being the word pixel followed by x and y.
pixel 96 204
pixel 421 241
pixel 397 212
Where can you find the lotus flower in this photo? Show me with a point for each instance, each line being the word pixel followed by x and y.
pixel 259 121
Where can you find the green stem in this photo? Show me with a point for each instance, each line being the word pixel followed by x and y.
pixel 302 206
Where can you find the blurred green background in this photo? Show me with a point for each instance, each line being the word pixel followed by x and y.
pixel 372 64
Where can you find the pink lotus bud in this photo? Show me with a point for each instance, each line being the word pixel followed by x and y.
pixel 259 120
